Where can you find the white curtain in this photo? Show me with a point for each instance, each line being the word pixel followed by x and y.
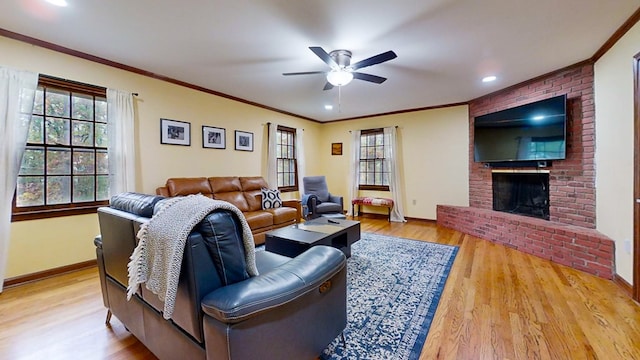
pixel 354 169
pixel 300 160
pixel 272 161
pixel 391 155
pixel 17 91
pixel 121 149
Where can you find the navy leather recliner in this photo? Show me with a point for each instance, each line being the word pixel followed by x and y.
pixel 318 199
pixel 292 310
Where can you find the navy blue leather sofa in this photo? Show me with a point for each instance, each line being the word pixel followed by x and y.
pixel 292 310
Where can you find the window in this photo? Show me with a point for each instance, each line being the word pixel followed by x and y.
pixel 286 159
pixel 64 168
pixel 374 168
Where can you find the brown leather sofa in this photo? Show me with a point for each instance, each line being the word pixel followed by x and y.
pixel 243 192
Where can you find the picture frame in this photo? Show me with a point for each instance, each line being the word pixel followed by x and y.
pixel 244 140
pixel 336 148
pixel 174 132
pixel 214 137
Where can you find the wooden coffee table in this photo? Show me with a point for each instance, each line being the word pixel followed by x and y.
pixel 293 240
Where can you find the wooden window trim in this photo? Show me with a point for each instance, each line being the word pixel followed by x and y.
pixel 295 187
pixel 373 187
pixel 52 211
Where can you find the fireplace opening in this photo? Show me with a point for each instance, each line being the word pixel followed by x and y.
pixel 522 193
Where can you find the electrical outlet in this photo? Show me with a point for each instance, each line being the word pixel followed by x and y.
pixel 626 243
pixel 414 201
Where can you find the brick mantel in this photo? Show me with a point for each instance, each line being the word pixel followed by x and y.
pixel 569 237
pixel 571 181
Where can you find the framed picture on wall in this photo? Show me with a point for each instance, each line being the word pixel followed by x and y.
pixel 214 137
pixel 336 148
pixel 175 132
pixel 244 141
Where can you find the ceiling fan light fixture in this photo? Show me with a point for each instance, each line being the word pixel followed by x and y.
pixel 339 77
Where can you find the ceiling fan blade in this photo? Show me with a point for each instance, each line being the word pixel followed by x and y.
pixel 324 56
pixel 368 77
pixel 305 73
pixel 377 59
pixel 327 86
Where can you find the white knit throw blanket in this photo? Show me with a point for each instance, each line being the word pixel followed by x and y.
pixel 157 259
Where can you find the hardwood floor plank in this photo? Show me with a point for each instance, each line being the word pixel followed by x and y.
pixel 498 303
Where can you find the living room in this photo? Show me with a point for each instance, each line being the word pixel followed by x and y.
pixel 430 177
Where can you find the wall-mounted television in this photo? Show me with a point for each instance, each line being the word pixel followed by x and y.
pixel 531 132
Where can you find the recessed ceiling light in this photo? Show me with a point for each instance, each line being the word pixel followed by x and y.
pixel 61 3
pixel 489 78
pixel 328 107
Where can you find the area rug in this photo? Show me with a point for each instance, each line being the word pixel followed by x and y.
pixel 393 289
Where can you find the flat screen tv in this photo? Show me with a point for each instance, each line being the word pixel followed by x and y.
pixel 531 132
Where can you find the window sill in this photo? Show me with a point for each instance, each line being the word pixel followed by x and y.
pixel 46 214
pixel 374 187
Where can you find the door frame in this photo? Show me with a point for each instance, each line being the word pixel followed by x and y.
pixel 636 177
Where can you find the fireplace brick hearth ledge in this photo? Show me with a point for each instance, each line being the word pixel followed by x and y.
pixel 577 247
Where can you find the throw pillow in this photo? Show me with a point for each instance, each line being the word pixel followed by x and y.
pixel 271 199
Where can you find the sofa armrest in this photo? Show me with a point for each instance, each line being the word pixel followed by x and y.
pixel 97 241
pixel 163 191
pixel 294 203
pixel 336 199
pixel 276 288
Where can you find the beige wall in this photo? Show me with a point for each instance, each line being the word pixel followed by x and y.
pixel 433 148
pixel 614 147
pixel 44 244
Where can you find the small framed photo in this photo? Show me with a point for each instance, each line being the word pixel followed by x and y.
pixel 214 137
pixel 175 132
pixel 244 141
pixel 336 148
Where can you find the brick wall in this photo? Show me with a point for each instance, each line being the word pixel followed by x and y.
pixel 580 248
pixel 569 238
pixel 571 181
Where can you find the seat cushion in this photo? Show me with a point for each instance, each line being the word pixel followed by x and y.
pixel 283 215
pixel 258 219
pixel 326 207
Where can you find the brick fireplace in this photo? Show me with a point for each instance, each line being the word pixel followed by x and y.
pixel 568 236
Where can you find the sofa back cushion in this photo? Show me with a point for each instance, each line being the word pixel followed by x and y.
pixel 252 188
pixel 135 203
pixel 223 238
pixel 229 189
pixel 316 185
pixel 189 186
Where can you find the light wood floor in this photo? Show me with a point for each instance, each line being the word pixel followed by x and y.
pixel 498 303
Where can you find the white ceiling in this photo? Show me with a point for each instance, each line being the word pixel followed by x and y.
pixel 241 48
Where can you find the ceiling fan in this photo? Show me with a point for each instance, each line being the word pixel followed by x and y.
pixel 342 72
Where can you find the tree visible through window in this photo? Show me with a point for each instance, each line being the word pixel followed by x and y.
pixel 374 168
pixel 64 167
pixel 286 159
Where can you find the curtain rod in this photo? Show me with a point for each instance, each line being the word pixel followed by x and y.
pixel 370 129
pixel 269 124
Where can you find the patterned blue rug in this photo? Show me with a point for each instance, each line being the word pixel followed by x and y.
pixel 393 289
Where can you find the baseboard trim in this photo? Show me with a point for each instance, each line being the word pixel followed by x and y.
pixel 623 284
pixel 370 215
pixel 23 279
pixel 431 221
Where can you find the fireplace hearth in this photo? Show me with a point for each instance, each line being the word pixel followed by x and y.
pixel 521 193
